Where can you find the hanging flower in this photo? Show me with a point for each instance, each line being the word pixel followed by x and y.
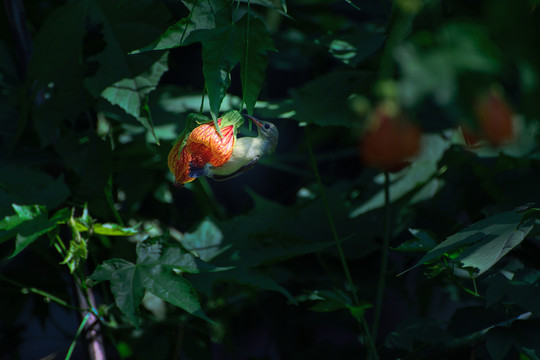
pixel 200 143
pixel 494 117
pixel 390 139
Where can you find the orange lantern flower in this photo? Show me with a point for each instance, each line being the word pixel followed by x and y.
pixel 200 143
pixel 494 117
pixel 390 139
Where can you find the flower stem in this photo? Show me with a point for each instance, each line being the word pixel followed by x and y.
pixel 369 340
pixel 331 220
pixel 384 256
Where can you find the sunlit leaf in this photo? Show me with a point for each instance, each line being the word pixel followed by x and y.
pixel 157 271
pixel 503 230
pixel 202 16
pixel 351 48
pixel 205 241
pixel 131 93
pixel 108 229
pixel 485 254
pixel 28 224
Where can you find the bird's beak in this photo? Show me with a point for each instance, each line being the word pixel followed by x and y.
pixel 257 122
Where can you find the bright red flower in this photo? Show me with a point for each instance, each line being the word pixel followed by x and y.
pixel 200 144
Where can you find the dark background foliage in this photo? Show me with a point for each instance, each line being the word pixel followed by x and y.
pixel 93 94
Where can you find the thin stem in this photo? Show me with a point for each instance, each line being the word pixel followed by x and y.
pixel 384 256
pixel 244 90
pixel 40 292
pixel 330 219
pixel 79 331
pixel 371 345
pixel 202 99
pixel 92 328
pixel 182 38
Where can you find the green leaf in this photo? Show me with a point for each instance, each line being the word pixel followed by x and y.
pixel 352 48
pixel 56 71
pixel 123 27
pixel 156 270
pixel 413 333
pixel 324 100
pixel 202 16
pixel 205 241
pixel 459 47
pixel 20 184
pixel 27 225
pixel 126 285
pixel 485 254
pixel 107 229
pixel 500 227
pixel 498 342
pixel 257 279
pixel 131 93
pixel 257 42
pixel 222 50
pixel 419 179
pixel 78 250
pixel 424 240
pixel 329 301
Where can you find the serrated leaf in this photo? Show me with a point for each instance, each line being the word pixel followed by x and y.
pixel 484 255
pixel 202 16
pixel 131 93
pixel 27 225
pixel 126 285
pixel 123 27
pixel 222 50
pixel 156 270
pixel 484 230
pixel 257 43
pixel 205 241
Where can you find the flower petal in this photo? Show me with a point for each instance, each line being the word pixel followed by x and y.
pixel 206 146
pixel 178 161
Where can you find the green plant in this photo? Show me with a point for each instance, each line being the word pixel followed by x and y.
pixel 309 255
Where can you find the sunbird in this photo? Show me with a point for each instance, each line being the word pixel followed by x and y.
pixel 246 153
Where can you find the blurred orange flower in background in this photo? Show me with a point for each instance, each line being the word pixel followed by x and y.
pixel 494 117
pixel 390 139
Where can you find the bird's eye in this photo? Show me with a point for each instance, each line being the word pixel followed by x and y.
pixel 267 126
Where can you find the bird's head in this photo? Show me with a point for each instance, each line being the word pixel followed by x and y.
pixel 268 132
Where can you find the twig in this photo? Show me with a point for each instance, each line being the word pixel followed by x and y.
pixel 92 327
pixel 384 256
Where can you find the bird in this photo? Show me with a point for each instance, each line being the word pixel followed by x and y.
pixel 246 153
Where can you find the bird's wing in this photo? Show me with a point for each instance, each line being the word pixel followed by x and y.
pixel 244 168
